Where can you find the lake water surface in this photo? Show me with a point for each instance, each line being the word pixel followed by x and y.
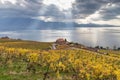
pixel 105 36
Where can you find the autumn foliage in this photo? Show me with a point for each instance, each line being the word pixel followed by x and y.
pixel 61 64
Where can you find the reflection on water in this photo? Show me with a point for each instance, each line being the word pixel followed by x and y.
pixel 107 36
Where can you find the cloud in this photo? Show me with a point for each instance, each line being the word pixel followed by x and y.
pixel 96 11
pixel 82 11
pixel 111 11
pixel 53 11
pixel 21 8
pixel 84 8
pixel 29 8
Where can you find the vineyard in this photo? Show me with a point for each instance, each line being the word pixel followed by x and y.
pixel 32 64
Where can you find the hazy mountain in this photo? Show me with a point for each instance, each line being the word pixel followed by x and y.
pixel 9 24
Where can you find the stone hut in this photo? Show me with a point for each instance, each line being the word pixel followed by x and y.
pixel 61 41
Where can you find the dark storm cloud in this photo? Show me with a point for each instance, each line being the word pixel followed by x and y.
pixel 53 11
pixel 29 8
pixel 21 8
pixel 80 9
pixel 84 8
pixel 34 1
pixel 112 12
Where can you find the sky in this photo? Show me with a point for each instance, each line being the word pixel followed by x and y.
pixel 100 12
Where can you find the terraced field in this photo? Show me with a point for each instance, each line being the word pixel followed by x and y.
pixel 27 60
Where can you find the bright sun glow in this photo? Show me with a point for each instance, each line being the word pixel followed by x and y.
pixel 62 4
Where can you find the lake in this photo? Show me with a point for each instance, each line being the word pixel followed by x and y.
pixel 89 36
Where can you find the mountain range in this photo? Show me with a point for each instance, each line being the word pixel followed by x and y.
pixel 13 24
